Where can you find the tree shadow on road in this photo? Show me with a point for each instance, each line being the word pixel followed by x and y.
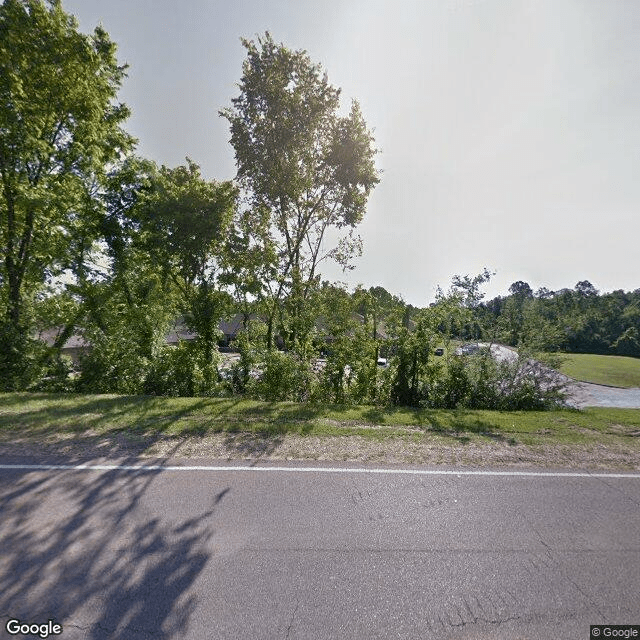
pixel 86 549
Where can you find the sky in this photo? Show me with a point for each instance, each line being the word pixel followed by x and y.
pixel 509 133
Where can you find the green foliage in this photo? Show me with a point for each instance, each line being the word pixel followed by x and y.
pixel 284 376
pixel 249 260
pixel 114 363
pixel 172 243
pixel 454 381
pixel 56 309
pixel 352 342
pixel 452 389
pixel 125 325
pixel 413 373
pixel 478 381
pixel 351 372
pixel 468 289
pixel 184 221
pixel 576 321
pixel 59 130
pixel 628 342
pixel 418 374
pixel 305 169
pixel 56 375
pixel 182 371
pixel 251 347
pixel 21 357
pixel 522 384
pixel 165 231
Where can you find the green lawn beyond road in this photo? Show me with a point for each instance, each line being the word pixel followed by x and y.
pixel 615 371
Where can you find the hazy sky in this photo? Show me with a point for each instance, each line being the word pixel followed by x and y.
pixel 509 131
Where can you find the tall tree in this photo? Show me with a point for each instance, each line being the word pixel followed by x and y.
pixel 303 165
pixel 59 131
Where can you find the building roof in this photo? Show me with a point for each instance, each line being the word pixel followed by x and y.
pixel 74 341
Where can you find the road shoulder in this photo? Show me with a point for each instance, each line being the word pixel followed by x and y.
pixel 257 449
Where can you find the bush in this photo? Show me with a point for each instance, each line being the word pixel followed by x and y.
pixel 284 376
pixel 523 384
pixel 21 358
pixel 480 382
pixel 113 365
pixel 57 376
pixel 249 343
pixel 182 371
pixel 529 385
pixel 454 387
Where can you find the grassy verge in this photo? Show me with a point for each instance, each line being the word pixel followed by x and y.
pixel 40 417
pixel 615 371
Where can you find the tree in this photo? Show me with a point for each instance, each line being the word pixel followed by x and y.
pixel 513 312
pixel 59 131
pixel 175 223
pixel 467 288
pixel 165 233
pixel 125 322
pixel 303 166
pixel 418 375
pixel 544 293
pixel 186 222
pixel 585 289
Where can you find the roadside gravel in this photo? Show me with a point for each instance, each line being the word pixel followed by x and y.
pixel 352 449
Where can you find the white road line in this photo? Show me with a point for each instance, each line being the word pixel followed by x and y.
pixel 410 472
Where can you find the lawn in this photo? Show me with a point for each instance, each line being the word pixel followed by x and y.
pixel 41 417
pixel 615 371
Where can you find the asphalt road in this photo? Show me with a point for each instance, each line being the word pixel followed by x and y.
pixel 121 554
pixel 587 394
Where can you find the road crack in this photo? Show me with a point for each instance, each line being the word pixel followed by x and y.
pixel 565 575
pixel 293 615
pixel 619 490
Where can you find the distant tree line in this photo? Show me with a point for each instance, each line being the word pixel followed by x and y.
pixel 578 320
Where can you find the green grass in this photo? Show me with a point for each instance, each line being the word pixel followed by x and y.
pixel 615 371
pixel 41 417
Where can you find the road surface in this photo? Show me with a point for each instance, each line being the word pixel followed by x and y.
pixel 296 553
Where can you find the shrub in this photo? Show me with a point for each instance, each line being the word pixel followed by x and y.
pixel 113 365
pixel 480 382
pixel 182 371
pixel 21 358
pixel 284 376
pixel 453 388
pixel 529 385
pixel 523 384
pixel 249 343
pixel 57 376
